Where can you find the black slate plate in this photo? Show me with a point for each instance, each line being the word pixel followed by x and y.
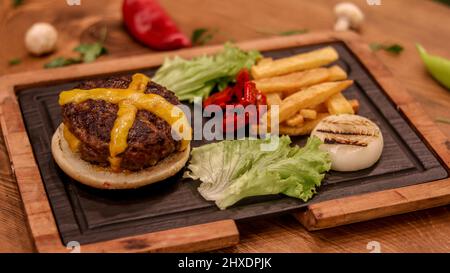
pixel 89 215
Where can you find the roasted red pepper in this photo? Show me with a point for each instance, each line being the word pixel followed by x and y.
pixel 250 93
pixel 221 98
pixel 241 78
pixel 148 22
pixel 242 94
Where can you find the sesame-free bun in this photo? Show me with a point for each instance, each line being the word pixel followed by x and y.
pixel 104 178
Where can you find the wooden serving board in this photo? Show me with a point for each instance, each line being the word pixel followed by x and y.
pixel 400 187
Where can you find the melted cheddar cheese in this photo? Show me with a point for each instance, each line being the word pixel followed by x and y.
pixel 129 100
pixel 72 140
pixel 139 82
pixel 119 133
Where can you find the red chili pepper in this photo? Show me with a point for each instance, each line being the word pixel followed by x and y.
pixel 241 78
pixel 221 98
pixel 238 92
pixel 249 96
pixel 149 23
pixel 242 94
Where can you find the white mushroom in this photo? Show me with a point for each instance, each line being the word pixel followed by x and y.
pixel 348 16
pixel 41 38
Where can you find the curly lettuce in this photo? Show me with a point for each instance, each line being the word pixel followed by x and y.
pixel 235 169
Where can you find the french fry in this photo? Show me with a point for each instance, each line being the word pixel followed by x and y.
pixel 296 120
pixel 265 60
pixel 355 105
pixel 299 62
pixel 308 113
pixel 338 104
pixel 299 118
pixel 310 97
pixel 293 82
pixel 273 99
pixel 319 108
pixel 336 74
pixel 304 129
pixel 322 108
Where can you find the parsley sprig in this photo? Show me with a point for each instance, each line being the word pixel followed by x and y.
pixel 14 61
pixel 89 52
pixel 395 49
pixel 201 36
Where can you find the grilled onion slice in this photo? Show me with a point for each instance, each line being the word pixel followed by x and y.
pixel 353 142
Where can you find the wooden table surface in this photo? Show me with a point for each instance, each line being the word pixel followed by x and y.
pixel 401 21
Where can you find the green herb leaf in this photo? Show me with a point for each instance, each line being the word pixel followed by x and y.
pixel 197 34
pixel 392 48
pixel 443 120
pixel 395 48
pixel 14 61
pixel 61 61
pixel 90 52
pixel 293 32
pixel 201 36
pixel 17 3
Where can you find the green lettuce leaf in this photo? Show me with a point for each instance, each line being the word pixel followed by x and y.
pixel 236 169
pixel 197 77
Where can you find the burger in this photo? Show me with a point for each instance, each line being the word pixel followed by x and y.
pixel 119 133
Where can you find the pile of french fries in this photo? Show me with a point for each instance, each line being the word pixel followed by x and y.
pixel 305 91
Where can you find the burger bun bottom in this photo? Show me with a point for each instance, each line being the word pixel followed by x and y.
pixel 103 177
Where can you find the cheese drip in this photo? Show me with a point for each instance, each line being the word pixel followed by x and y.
pixel 119 133
pixel 139 82
pixel 131 100
pixel 72 140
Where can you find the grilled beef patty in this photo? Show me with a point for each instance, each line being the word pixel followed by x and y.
pixel 149 139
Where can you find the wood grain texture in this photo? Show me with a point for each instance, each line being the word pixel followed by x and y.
pixel 375 205
pixel 197 238
pixel 423 231
pixel 13 224
pixel 402 21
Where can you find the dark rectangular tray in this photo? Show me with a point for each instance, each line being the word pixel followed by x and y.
pixel 89 215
